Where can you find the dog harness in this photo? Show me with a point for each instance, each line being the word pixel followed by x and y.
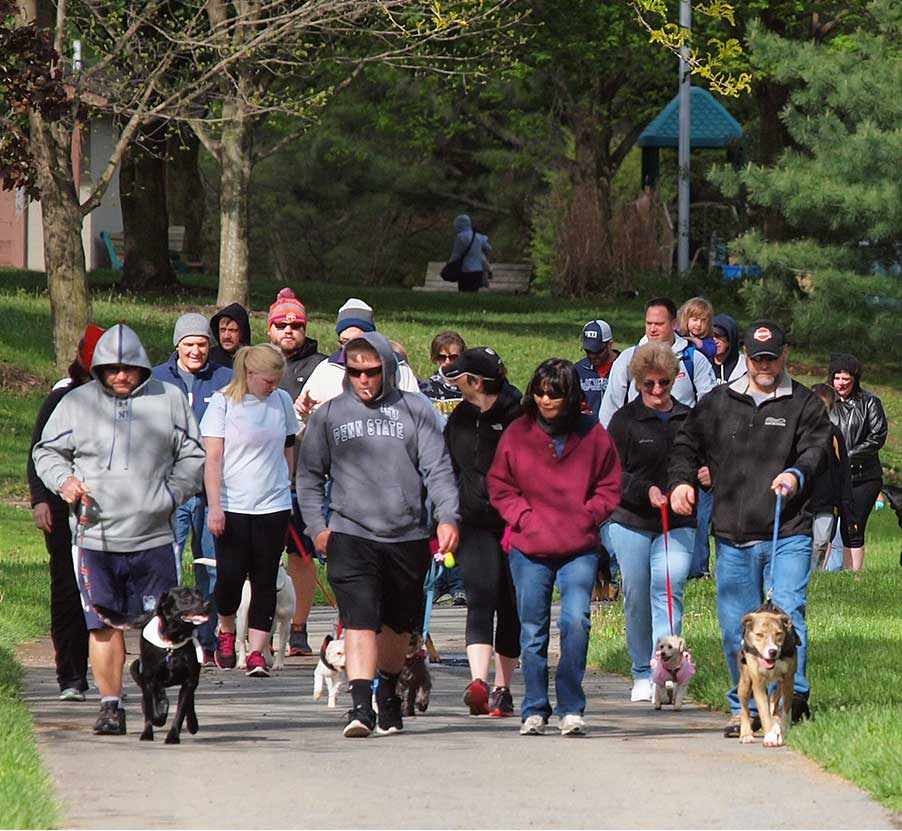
pixel 152 634
pixel 660 674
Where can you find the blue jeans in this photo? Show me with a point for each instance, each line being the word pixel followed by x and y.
pixel 641 555
pixel 701 560
pixel 534 578
pixel 742 578
pixel 835 560
pixel 192 516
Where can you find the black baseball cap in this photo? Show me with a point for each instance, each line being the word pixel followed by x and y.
pixel 481 361
pixel 764 337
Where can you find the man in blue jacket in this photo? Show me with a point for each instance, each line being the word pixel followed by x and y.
pixel 190 369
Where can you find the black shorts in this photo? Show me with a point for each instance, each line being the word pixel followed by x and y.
pixel 378 583
pixel 300 530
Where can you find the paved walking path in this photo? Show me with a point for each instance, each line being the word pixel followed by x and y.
pixel 267 756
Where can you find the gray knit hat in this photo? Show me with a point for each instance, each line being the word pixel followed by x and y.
pixel 355 313
pixel 191 325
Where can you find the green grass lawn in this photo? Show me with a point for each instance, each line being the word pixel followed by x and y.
pixel 853 622
pixel 855 637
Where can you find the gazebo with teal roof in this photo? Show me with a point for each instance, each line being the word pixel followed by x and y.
pixel 711 127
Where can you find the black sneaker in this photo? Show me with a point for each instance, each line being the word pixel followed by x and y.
pixel 800 709
pixel 111 721
pixel 459 599
pixel 298 643
pixel 501 703
pixel 390 720
pixel 361 721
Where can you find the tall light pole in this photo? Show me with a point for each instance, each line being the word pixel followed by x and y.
pixel 684 145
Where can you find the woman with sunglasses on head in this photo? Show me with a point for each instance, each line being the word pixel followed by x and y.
pixel 555 479
pixel 643 431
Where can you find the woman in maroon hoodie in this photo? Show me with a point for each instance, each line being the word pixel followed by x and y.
pixel 554 480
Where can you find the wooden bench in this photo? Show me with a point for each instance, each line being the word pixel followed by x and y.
pixel 509 278
pixel 115 246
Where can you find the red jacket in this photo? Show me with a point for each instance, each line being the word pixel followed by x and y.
pixel 555 505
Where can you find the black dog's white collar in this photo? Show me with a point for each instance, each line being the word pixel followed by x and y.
pixel 151 633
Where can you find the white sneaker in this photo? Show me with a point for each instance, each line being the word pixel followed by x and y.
pixel 642 690
pixel 72 694
pixel 533 726
pixel 573 725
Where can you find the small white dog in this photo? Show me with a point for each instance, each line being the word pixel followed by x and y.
pixel 330 670
pixel 672 668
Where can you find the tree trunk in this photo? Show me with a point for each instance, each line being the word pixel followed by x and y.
pixel 145 221
pixel 185 195
pixel 772 141
pixel 64 255
pixel 235 176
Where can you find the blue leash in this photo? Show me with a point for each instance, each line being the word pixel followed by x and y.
pixel 435 571
pixel 778 509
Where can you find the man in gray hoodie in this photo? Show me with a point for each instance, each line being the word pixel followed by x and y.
pixel 125 450
pixel 379 446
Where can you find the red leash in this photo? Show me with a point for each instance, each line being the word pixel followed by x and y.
pixel 303 552
pixel 665 524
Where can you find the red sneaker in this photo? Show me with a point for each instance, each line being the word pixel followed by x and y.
pixel 225 654
pixel 502 703
pixel 256 666
pixel 476 697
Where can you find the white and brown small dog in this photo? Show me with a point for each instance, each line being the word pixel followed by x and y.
pixel 672 668
pixel 330 670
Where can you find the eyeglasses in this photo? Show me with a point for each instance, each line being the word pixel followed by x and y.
pixel 443 357
pixel 297 327
pixel 651 383
pixel 553 395
pixel 367 371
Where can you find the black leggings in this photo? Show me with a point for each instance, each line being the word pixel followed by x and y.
pixel 490 590
pixel 68 630
pixel 864 494
pixel 250 548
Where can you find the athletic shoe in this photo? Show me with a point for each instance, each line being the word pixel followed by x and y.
pixel 390 720
pixel 225 653
pixel 641 690
pixel 111 721
pixel 501 703
pixel 72 694
pixel 533 726
pixel 800 709
pixel 459 599
pixel 297 642
pixel 256 666
pixel 573 725
pixel 732 727
pixel 209 658
pixel 361 721
pixel 476 697
pixel 442 599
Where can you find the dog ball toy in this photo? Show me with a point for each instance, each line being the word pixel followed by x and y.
pixel 449 561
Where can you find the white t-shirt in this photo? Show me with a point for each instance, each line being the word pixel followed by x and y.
pixel 254 471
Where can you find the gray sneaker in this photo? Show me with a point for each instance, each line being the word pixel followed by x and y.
pixel 533 726
pixel 72 694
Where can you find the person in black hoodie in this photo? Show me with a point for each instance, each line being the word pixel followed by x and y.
pixel 643 431
pixel 472 433
pixel 231 329
pixel 861 419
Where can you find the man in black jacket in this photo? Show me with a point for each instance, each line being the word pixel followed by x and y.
pixel 231 329
pixel 761 435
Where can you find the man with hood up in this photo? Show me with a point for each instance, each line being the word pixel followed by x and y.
pixel 125 450
pixel 728 362
pixel 379 446
pixel 695 378
pixel 472 248
pixel 231 329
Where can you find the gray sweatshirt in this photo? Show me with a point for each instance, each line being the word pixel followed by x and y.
pixel 379 456
pixel 141 456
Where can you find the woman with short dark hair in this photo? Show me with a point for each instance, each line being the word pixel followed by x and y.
pixel 555 479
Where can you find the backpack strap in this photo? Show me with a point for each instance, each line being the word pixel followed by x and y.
pixel 688 358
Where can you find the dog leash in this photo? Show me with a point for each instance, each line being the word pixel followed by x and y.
pixel 303 552
pixel 665 524
pixel 778 509
pixel 435 571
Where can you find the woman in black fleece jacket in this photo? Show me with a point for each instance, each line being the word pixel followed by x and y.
pixel 472 434
pixel 643 431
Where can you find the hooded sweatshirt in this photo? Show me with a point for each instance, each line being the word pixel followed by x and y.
pixel 378 454
pixel 734 365
pixel 140 455
pixel 239 314
pixel 688 387
pixel 463 230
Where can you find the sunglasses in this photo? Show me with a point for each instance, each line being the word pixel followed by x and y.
pixel 368 371
pixel 553 395
pixel 651 383
pixel 297 327
pixel 119 369
pixel 443 357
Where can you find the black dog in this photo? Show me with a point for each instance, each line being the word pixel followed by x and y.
pixel 894 497
pixel 169 657
pixel 415 682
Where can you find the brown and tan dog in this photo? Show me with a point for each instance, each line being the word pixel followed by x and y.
pixel 767 655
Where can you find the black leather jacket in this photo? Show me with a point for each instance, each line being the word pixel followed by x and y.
pixel 862 422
